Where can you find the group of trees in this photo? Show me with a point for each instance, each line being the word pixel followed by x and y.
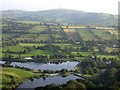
pixel 9 42
pixel 11 26
pixel 24 51
pixel 15 82
pixel 109 78
pixel 101 45
pixel 106 69
pixel 62 71
pixel 49 47
pixel 96 65
pixel 70 85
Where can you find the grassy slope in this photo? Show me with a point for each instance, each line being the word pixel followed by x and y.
pixel 103 35
pixel 15 73
pixel 71 33
pixel 27 36
pixel 114 33
pixel 16 48
pixel 87 34
pixel 38 29
pixel 43 37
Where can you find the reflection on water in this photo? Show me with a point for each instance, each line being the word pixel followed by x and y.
pixel 2 62
pixel 47 66
pixel 58 80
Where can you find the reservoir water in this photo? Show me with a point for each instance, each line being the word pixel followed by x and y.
pixel 46 66
pixel 58 80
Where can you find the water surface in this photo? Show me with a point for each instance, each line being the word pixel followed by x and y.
pixel 47 66
pixel 58 80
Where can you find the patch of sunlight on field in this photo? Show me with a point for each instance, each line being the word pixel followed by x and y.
pixel 107 56
pixel 30 44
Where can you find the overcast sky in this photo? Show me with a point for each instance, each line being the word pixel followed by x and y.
pixel 100 6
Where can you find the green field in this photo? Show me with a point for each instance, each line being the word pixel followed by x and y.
pixel 28 22
pixel 16 48
pixel 55 27
pixel 63 45
pixel 71 34
pixel 114 33
pixel 34 53
pixel 103 35
pixel 30 44
pixel 38 29
pixel 5 36
pixel 27 37
pixel 87 34
pixel 43 37
pixel 82 53
pixel 107 56
pixel 18 74
pixel 57 34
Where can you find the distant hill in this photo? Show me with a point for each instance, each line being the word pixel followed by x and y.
pixel 62 16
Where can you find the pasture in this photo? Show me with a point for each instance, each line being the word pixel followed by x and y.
pixel 71 34
pixel 27 37
pixel 17 74
pixel 15 48
pixel 87 34
pixel 103 34
pixel 38 29
pixel 30 44
pixel 114 33
pixel 44 37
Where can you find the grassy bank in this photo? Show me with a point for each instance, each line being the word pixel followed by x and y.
pixel 12 75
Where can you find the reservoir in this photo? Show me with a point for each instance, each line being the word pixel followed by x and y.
pixel 57 80
pixel 46 66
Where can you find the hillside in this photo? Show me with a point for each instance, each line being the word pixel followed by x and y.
pixel 62 16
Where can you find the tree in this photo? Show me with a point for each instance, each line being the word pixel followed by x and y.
pixel 71 56
pixel 117 75
pixel 109 73
pixel 73 84
pixel 63 71
pixel 90 71
pixel 96 70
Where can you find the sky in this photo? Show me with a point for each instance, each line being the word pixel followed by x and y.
pixel 99 6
